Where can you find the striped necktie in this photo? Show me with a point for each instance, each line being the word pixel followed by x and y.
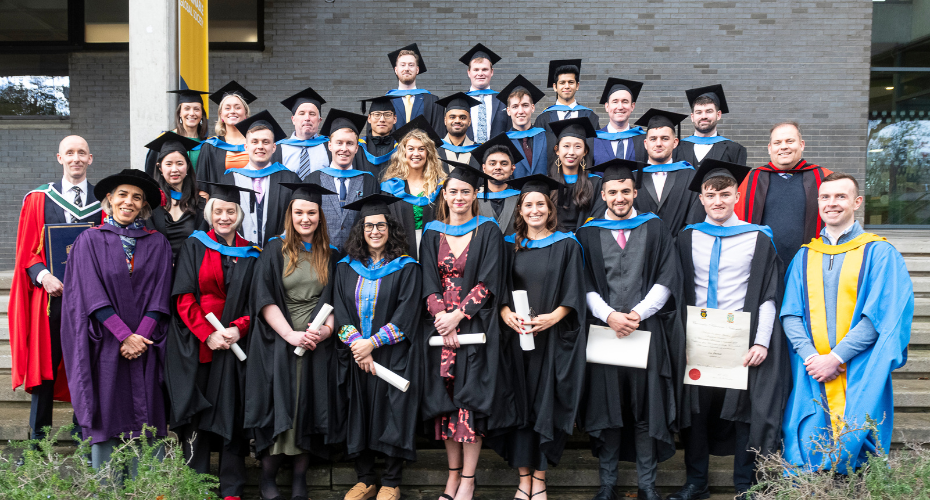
pixel 77 202
pixel 304 169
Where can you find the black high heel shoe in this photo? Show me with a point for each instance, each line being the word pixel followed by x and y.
pixel 476 484
pixel 528 496
pixel 443 495
pixel 540 492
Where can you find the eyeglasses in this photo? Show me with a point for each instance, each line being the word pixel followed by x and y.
pixel 377 115
pixel 381 227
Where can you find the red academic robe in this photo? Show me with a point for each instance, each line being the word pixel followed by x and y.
pixel 755 186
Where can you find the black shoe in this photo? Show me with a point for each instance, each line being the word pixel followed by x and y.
pixel 690 492
pixel 648 494
pixel 606 493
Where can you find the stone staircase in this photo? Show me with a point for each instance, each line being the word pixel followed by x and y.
pixel 576 477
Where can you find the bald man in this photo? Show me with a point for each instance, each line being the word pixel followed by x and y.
pixel 35 298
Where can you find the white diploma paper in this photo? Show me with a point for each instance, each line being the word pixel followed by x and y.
pixel 391 378
pixel 464 339
pixel 606 349
pixel 215 323
pixel 522 306
pixel 717 340
pixel 318 321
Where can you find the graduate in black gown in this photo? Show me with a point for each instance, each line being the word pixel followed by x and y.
pixel 633 283
pixel 191 123
pixel 581 198
pixel 378 309
pixel 181 210
pixel 498 158
pixel 552 374
pixel 376 146
pixel 748 271
pixel 708 105
pixel 464 395
pixel 291 396
pixel 204 379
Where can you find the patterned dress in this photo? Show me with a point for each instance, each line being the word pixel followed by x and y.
pixel 461 426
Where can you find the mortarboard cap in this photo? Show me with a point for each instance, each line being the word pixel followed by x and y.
pixel 392 56
pixel 479 51
pixel 615 84
pixel 418 123
pixel 520 83
pixel 380 103
pixel 233 88
pixel 265 119
pixel 458 100
pixel 170 141
pixel 711 168
pixel 619 169
pixel 229 192
pixel 373 204
pixel 715 92
pixel 560 67
pixel 573 127
pixel 480 153
pixel 306 191
pixel 536 183
pixel 467 173
pixel 304 96
pixel 189 95
pixel 338 119
pixel 657 118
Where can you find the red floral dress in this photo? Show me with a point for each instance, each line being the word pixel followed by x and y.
pixel 459 427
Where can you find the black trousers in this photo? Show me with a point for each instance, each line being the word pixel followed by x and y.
pixel 232 463
pixel 365 469
pixel 43 401
pixel 646 455
pixel 696 440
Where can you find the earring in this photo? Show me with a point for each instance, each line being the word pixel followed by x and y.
pixel 582 164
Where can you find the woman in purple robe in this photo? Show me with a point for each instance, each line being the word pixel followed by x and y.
pixel 114 317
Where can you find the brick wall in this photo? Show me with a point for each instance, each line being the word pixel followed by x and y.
pixel 805 61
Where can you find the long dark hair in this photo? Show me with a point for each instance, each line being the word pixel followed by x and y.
pixel 582 191
pixel 189 199
pixel 357 247
pixel 521 228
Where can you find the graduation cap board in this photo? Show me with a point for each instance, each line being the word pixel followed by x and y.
pixel 467 173
pixel 380 103
pixel 711 168
pixel 418 123
pixel 573 127
pixel 618 169
pixel 481 151
pixel 189 95
pixel 392 56
pixel 306 191
pixel 230 193
pixel 373 204
pixel 338 119
pixel 307 95
pixel 262 119
pixel 520 83
pixel 714 92
pixel 233 88
pixel 458 100
pixel 536 183
pixel 560 67
pixel 658 118
pixel 479 51
pixel 170 141
pixel 615 84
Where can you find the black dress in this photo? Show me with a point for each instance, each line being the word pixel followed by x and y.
pixel 177 231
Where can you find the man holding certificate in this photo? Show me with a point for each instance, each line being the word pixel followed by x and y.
pixel 633 283
pixel 731 270
pixel 847 312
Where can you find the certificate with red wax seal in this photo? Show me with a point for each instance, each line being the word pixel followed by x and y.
pixel 717 340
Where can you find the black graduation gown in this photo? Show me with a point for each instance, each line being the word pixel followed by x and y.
pixel 548 380
pixel 547 117
pixel 370 413
pixel 679 205
pixel 728 151
pixel 601 408
pixel 362 163
pixel 270 384
pixel 570 215
pixel 763 405
pixel 211 164
pixel 177 232
pixel 218 408
pixel 276 200
pixel 476 386
pixel 403 212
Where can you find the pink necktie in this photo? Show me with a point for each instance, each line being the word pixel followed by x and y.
pixel 621 239
pixel 257 187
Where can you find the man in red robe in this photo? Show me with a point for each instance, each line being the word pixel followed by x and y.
pixel 35 297
pixel 783 194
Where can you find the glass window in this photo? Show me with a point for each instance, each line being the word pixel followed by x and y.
pixel 106 21
pixel 34 86
pixel 34 21
pixel 234 21
pixel 898 158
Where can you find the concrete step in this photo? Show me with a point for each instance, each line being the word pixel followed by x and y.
pixel 922 308
pixel 908 242
pixel 920 333
pixel 918 264
pixel 921 284
pixel 918 361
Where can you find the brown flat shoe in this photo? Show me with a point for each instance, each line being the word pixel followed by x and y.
pixel 361 492
pixel 388 493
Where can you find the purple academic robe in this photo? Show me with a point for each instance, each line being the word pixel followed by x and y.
pixel 111 394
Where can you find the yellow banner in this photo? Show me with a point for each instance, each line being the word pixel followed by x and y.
pixel 193 46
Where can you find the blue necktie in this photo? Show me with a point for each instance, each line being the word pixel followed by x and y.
pixel 342 196
pixel 304 169
pixel 713 272
pixel 630 150
pixel 482 123
pixel 620 151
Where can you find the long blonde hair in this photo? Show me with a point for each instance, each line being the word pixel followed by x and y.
pixel 432 171
pixel 293 248
pixel 220 127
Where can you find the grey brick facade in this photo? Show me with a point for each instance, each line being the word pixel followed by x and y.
pixel 777 60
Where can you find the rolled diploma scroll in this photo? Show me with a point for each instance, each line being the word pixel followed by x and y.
pixel 215 323
pixel 464 339
pixel 522 306
pixel 317 323
pixel 391 377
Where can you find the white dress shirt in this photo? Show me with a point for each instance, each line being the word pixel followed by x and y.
pixel 564 115
pixel 290 156
pixel 250 225
pixel 653 301
pixel 616 144
pixel 486 103
pixel 736 253
pixel 701 150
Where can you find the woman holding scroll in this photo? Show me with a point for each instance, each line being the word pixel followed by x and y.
pixel 205 380
pixel 462 271
pixel 549 377
pixel 289 395
pixel 376 296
